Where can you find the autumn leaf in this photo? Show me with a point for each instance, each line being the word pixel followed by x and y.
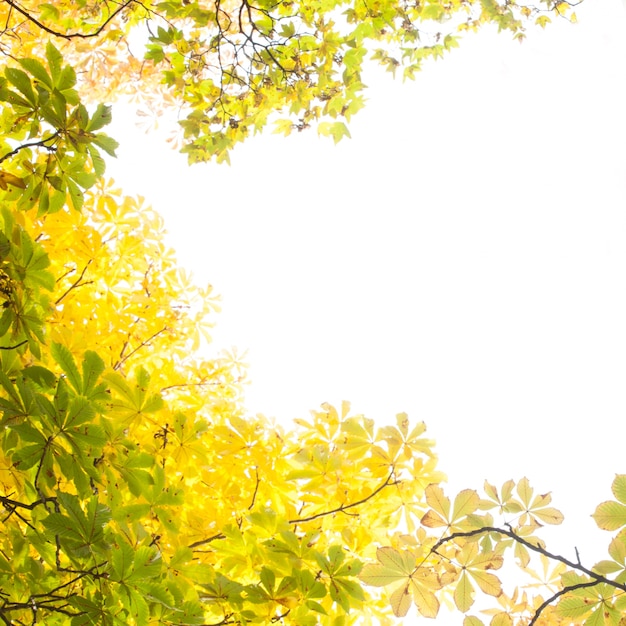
pixel 6 179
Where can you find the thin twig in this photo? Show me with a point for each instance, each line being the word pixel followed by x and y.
pixel 345 507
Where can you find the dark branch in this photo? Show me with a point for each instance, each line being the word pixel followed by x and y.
pixel 203 542
pixel 552 598
pixel 55 33
pixel 42 143
pixel 596 578
pixel 345 507
pixel 17 345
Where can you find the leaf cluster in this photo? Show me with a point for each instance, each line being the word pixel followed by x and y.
pixel 230 68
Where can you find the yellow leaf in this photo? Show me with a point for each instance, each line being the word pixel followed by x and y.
pixel 400 601
pixel 470 620
pixel 561 7
pixel 425 600
pixel 464 593
pixel 466 502
pixel 437 500
pixel 501 619
pixel 610 515
pixel 525 491
pixel 392 559
pixel 488 583
pixel 6 178
pixel 617 548
pixel 379 576
pixel 521 553
pixel 549 515
pixel 619 488
pixel 433 520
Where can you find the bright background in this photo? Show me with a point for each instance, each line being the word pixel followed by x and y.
pixel 462 258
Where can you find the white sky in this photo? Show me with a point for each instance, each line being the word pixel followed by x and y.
pixel 462 258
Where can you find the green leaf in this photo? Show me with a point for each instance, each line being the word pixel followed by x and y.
pixel 88 436
pixel 77 197
pixel 268 579
pixel 20 79
pixel 7 319
pixel 40 375
pixel 80 412
pixel 574 607
pixel 99 164
pixel 55 61
pixel 101 117
pixel 9 387
pixel 122 558
pixel 65 360
pixel 89 524
pixel 93 366
pixel 35 68
pixel 108 144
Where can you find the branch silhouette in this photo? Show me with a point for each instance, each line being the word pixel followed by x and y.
pixel 597 579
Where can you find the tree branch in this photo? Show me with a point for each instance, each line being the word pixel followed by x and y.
pixel 141 345
pixel 552 598
pixel 597 578
pixel 202 542
pixel 77 282
pixel 345 507
pixel 256 488
pixel 49 30
pixel 33 144
pixel 17 345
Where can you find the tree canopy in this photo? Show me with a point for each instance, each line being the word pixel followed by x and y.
pixel 231 67
pixel 135 487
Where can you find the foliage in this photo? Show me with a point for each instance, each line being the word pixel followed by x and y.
pixel 135 488
pixel 228 67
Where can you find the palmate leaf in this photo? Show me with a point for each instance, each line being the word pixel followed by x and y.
pixel 392 567
pixel 88 523
pixel 395 566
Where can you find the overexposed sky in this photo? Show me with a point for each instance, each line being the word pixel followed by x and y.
pixel 461 258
